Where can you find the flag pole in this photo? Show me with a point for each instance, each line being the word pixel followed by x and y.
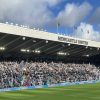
pixel 58 27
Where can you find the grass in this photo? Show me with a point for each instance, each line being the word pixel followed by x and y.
pixel 79 92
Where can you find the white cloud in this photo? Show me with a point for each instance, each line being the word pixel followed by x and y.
pixel 73 14
pixel 82 32
pixel 30 12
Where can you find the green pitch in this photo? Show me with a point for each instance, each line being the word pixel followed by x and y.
pixel 81 92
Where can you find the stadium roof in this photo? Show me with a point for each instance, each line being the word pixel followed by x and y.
pixel 21 39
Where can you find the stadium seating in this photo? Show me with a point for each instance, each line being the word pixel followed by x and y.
pixel 16 74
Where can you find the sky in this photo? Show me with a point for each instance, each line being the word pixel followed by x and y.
pixel 77 18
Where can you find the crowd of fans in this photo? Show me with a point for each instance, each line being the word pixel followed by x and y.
pixel 16 74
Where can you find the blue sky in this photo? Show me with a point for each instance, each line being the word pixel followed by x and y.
pixel 72 15
pixel 94 3
pixel 68 30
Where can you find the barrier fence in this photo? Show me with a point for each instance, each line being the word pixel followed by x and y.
pixel 52 85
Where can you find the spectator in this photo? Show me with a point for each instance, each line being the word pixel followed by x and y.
pixel 15 74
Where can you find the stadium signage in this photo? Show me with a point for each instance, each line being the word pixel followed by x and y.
pixel 48 85
pixel 70 40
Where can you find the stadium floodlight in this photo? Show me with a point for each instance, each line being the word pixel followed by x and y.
pixel 2 48
pixel 68 54
pixel 37 51
pixel 33 51
pixel 24 38
pixel 86 47
pixel 62 53
pixel 86 55
pixel 27 50
pixel 34 41
pixel 46 41
pixel 23 50
pixel 98 48
pixel 69 44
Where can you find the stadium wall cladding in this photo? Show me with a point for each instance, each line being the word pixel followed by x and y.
pixel 53 85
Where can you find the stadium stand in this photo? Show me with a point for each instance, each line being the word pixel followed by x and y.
pixel 31 57
pixel 15 74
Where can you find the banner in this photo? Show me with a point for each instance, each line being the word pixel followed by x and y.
pixel 50 85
